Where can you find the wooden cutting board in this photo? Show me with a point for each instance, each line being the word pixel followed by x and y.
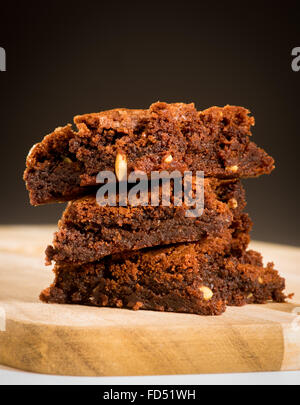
pixel 78 340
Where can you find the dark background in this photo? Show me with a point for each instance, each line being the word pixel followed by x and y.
pixel 64 59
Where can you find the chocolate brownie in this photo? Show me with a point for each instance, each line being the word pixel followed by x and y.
pixel 163 137
pixel 88 231
pixel 199 278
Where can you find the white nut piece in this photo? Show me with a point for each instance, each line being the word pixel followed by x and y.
pixel 232 203
pixel 250 295
pixel 168 159
pixel 232 169
pixel 207 292
pixel 121 166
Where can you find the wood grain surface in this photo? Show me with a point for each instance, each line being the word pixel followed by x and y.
pixel 79 340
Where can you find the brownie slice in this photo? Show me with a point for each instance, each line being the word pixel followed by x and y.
pixel 163 137
pixel 88 231
pixel 199 278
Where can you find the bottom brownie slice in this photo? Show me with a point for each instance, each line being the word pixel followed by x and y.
pixel 199 278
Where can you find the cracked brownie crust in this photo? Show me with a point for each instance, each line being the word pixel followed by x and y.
pixel 163 137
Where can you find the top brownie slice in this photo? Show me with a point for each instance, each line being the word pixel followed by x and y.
pixel 164 137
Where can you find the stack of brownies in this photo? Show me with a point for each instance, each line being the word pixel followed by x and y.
pixel 153 257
